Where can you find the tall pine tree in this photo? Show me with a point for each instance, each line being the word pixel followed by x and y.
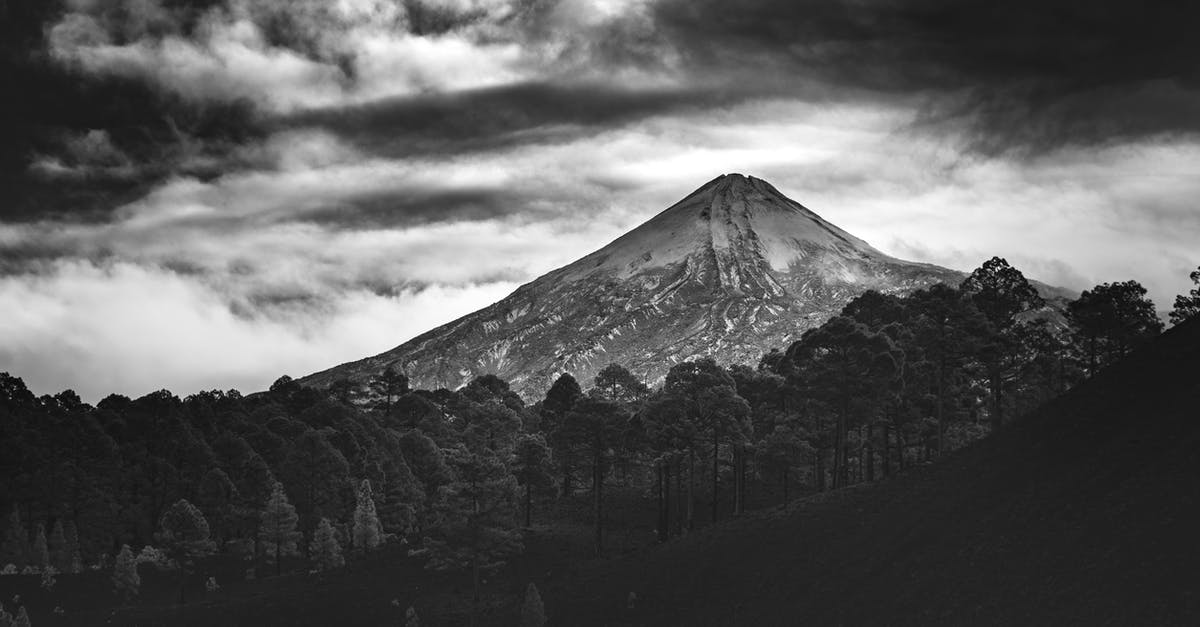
pixel 533 612
pixel 277 528
pixel 15 548
pixel 325 549
pixel 367 534
pixel 1187 306
pixel 125 578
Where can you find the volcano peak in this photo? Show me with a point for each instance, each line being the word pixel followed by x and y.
pixel 732 270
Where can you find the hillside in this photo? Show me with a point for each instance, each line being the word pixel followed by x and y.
pixel 1083 513
pixel 734 267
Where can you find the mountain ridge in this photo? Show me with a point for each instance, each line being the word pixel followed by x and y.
pixel 732 269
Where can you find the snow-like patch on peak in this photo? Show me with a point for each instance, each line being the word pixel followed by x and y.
pixel 737 218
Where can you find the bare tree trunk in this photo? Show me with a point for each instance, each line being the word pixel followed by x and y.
pixel 886 460
pixel 691 490
pixel 664 483
pixel 941 402
pixel 528 503
pixel 737 478
pixel 715 476
pixel 679 506
pixel 598 490
pixel 869 454
pixel 566 479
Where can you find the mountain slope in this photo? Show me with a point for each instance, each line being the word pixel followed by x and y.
pixel 733 268
pixel 1082 513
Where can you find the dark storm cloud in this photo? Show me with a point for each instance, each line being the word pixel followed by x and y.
pixel 80 144
pixel 497 117
pixel 413 207
pixel 1024 73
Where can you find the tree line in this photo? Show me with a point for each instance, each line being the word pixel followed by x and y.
pixel 300 473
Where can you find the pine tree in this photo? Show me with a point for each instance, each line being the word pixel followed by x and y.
pixel 41 552
pixel 401 497
pixel 317 476
pixel 560 398
pixel 1001 293
pixel 325 549
pixel 60 556
pixel 532 467
pixel 277 529
pixel 16 544
pixel 389 385
pixel 125 578
pixel 533 613
pixel 1187 305
pixel 367 534
pixel 476 516
pixel 218 497
pixel 1112 319
pixel 183 533
pixel 73 552
pixel 184 536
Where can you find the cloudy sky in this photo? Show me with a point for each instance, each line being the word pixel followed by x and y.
pixel 201 194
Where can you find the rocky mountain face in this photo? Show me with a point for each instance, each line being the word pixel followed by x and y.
pixel 732 270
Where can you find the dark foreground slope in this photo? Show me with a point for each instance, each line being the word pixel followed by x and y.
pixel 1085 513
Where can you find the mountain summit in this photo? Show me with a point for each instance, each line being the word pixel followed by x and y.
pixel 732 270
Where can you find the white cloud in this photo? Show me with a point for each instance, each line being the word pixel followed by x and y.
pixel 130 329
pixel 229 56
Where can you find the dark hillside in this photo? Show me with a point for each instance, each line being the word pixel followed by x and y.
pixel 1083 513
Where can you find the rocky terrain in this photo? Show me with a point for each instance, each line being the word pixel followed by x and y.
pixel 733 269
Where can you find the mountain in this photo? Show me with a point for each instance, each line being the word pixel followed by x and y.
pixel 733 269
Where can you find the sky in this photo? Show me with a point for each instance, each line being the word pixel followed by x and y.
pixel 209 194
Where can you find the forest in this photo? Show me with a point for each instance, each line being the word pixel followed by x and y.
pixel 301 479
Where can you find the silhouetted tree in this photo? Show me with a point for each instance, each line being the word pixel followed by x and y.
pixel 342 390
pixel 849 368
pixel 592 428
pixel 125 578
pixel 615 383
pixel 367 534
pixel 40 552
pixel 60 555
pixel 389 385
pixel 1187 306
pixel 560 398
pixel 532 466
pixel 533 612
pixel 277 529
pixel 218 496
pixel 1000 292
pixel 16 544
pixel 184 536
pixel 949 331
pixel 325 549
pixel 1112 319
pixel 317 477
pixel 476 516
pixel 712 413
